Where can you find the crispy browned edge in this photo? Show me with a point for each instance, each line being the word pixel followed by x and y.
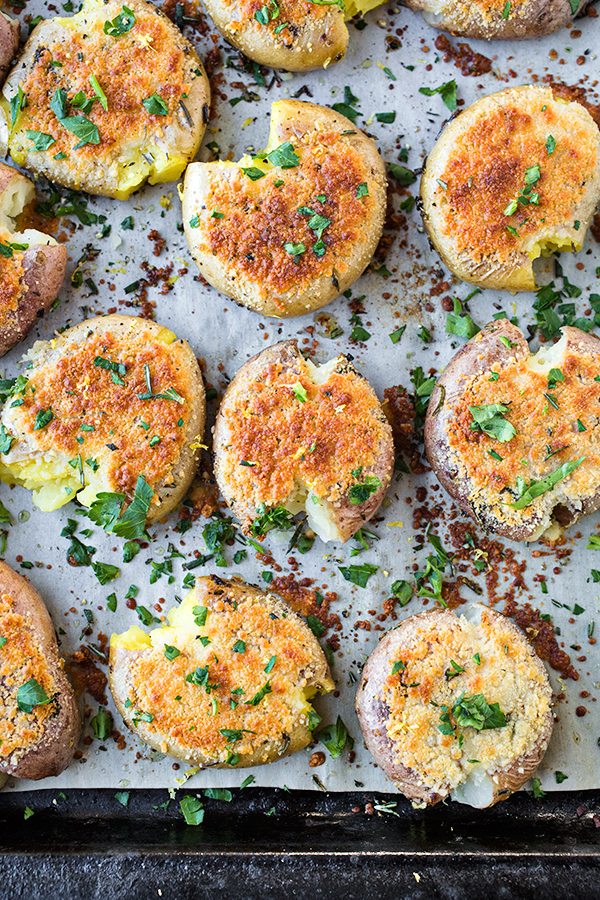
pixel 373 712
pixel 209 586
pixel 348 516
pixel 9 41
pixel 55 750
pixel 477 356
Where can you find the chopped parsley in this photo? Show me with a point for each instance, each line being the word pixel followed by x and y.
pixel 527 493
pixel 121 24
pixel 358 574
pixel 31 694
pixel 489 418
pixel 446 91
pixel 335 738
pixel 155 105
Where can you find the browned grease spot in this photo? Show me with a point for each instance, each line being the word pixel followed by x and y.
pixel 86 676
pixel 468 61
pixel 303 599
pixel 540 635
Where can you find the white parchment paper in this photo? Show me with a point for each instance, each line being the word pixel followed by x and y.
pixel 225 336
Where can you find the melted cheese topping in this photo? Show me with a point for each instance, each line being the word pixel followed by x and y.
pixel 102 427
pixel 297 447
pixel 508 674
pixel 191 717
pixel 258 218
pixel 21 658
pixel 148 59
pixel 486 171
pixel 546 437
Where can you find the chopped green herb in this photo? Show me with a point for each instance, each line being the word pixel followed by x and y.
pixel 489 418
pixel 528 493
pixel 447 92
pixel 358 574
pixel 191 810
pixel 31 694
pixel 121 24
pixel 335 738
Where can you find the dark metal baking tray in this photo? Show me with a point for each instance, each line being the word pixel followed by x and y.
pixel 273 844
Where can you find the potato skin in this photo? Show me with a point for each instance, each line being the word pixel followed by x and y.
pixel 9 42
pixel 31 279
pixel 486 350
pixel 243 252
pixel 279 365
pixel 44 271
pixel 172 487
pixel 317 35
pixel 52 753
pixel 129 135
pixel 373 711
pixel 477 169
pixel 141 674
pixel 529 19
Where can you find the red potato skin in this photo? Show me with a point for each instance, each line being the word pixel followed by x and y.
pixel 373 713
pixel 477 356
pixel 9 42
pixel 54 752
pixel 45 266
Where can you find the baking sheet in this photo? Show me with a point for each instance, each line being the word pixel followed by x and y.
pixel 225 336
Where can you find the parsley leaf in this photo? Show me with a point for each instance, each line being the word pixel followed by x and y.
pixel 284 156
pixel 447 92
pixel 335 738
pixel 121 24
pixel 489 418
pixel 358 574
pixel 31 694
pixel 528 493
pixel 155 105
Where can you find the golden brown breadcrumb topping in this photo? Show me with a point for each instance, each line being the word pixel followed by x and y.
pixel 12 287
pixel 318 443
pixel 554 425
pixel 256 219
pixel 95 416
pixel 498 664
pixel 237 693
pixel 128 69
pixel 487 170
pixel 21 658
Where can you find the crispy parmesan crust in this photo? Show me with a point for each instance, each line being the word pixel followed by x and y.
pixel 96 418
pixel 491 19
pixel 238 229
pixel 188 719
pixel 546 437
pixel 479 165
pixel 302 36
pixel 315 445
pixel 399 713
pixel 152 57
pixel 42 742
